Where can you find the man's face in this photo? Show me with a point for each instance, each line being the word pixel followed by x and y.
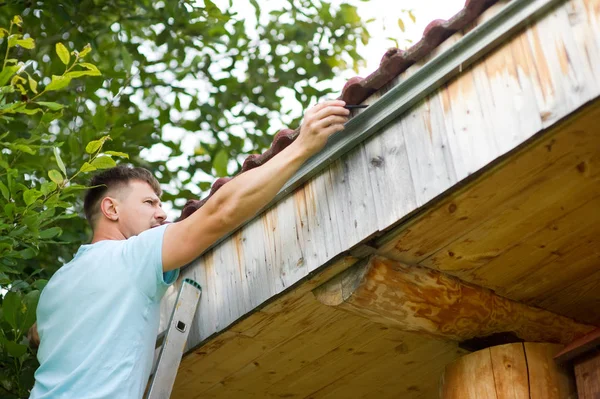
pixel 139 208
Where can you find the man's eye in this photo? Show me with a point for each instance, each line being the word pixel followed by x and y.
pixel 149 202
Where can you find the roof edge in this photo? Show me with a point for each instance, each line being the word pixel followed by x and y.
pixel 399 99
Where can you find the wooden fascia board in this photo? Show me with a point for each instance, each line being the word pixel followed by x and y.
pixel 427 301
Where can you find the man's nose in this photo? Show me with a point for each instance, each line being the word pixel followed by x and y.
pixel 161 215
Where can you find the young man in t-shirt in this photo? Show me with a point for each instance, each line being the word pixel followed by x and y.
pixel 98 316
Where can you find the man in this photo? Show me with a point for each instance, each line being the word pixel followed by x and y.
pixel 98 316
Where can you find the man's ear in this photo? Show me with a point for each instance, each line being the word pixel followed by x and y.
pixel 109 208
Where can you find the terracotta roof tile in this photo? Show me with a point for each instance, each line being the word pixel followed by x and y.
pixel 357 89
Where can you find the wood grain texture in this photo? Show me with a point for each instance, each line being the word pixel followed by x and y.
pixel 471 376
pixel 512 371
pixel 426 301
pixel 587 375
pixel 547 379
pixel 305 349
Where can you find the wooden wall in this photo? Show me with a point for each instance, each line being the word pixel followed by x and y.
pixel 529 83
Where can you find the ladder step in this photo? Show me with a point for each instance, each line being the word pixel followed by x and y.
pixel 174 341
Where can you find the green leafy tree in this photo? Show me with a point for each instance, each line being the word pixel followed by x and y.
pixel 36 193
pixel 202 83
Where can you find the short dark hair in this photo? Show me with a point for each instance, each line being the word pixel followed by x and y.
pixel 111 178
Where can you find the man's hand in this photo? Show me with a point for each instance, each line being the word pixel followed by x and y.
pixel 320 122
pixel 33 337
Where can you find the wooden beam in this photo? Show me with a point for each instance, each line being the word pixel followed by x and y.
pixel 427 301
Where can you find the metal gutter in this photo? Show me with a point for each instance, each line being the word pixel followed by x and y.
pixel 471 47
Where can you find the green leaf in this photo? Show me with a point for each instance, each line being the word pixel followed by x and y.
pixel 58 82
pixel 93 146
pixel 24 148
pixel 104 162
pixel 87 167
pixel 85 51
pixel 39 284
pixel 32 84
pixel 59 162
pixel 55 176
pixel 22 109
pixel 92 68
pixel 220 163
pixel 117 154
pixel 12 40
pixel 9 210
pixel 51 105
pixel 49 186
pixel 7 73
pixel 78 74
pixel 401 24
pixel 28 43
pixel 63 53
pixel 15 350
pixel 28 253
pixel 4 190
pixel 30 302
pixel 51 232
pixel 412 16
pixel 29 196
pixel 10 306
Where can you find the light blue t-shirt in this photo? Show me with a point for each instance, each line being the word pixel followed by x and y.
pixel 98 320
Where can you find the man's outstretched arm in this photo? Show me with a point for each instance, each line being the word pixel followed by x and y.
pixel 240 199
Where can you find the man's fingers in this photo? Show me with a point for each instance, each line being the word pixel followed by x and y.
pixel 331 110
pixel 333 129
pixel 331 120
pixel 325 104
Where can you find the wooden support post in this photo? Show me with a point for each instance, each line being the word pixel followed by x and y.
pixel 427 301
pixel 513 371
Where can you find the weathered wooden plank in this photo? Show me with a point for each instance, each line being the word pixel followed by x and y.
pixel 206 320
pixel 431 163
pixel 285 260
pixel 426 301
pixel 390 175
pixel 251 259
pixel 322 243
pixel 353 195
pixel 504 88
pixel 586 34
pixel 559 65
pixel 471 140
